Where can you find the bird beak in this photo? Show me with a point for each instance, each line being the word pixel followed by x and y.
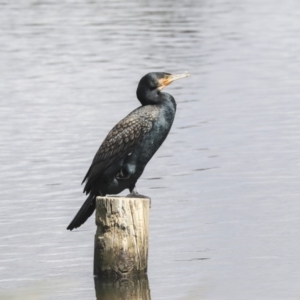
pixel 163 82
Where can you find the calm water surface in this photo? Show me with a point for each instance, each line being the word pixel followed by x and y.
pixel 225 216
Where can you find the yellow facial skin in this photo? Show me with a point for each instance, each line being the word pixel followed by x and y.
pixel 163 82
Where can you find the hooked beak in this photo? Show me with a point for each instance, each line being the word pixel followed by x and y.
pixel 163 82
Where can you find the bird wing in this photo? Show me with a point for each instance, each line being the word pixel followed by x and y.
pixel 119 142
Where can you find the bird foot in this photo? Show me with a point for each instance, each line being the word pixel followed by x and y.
pixel 135 194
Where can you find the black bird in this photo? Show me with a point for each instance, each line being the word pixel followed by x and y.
pixel 123 155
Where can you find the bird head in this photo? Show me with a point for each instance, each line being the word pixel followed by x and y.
pixel 151 84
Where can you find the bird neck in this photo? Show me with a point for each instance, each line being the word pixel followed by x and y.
pixel 167 100
pixel 147 96
pixel 154 97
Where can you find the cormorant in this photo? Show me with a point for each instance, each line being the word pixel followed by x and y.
pixel 128 147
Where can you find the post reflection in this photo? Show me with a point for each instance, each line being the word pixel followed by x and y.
pixel 122 289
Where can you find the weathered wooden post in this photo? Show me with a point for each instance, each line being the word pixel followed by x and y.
pixel 121 240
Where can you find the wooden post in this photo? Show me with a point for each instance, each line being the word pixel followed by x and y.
pixel 121 240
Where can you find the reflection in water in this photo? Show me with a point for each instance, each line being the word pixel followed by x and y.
pixel 123 289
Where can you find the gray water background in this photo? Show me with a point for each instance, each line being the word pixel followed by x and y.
pixel 225 216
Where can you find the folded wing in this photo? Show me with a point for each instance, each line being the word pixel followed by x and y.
pixel 119 142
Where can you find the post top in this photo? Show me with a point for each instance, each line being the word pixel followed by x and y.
pixel 128 197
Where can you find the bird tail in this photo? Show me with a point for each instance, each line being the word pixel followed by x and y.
pixel 84 212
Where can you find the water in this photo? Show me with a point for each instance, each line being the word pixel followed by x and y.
pixel 225 185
